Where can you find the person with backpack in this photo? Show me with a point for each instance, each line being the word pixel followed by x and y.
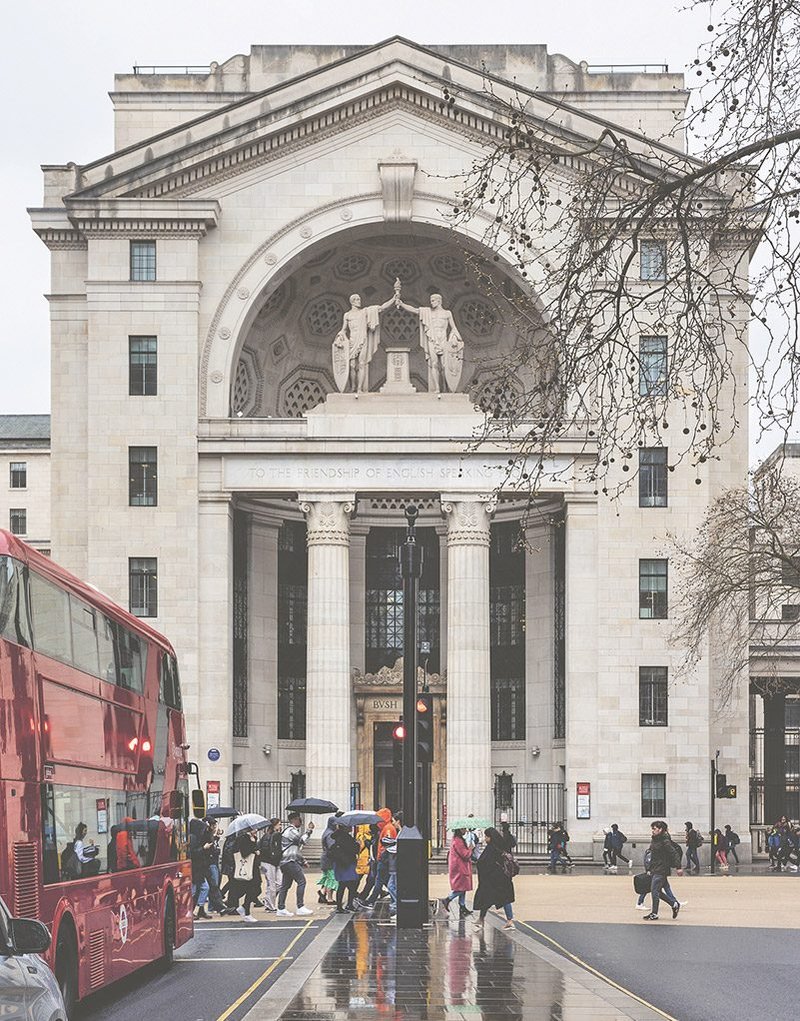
pixel 693 840
pixel 496 871
pixel 344 853
pixel 618 841
pixel 327 885
pixel 720 848
pixel 733 840
pixel 270 851
pixel 665 855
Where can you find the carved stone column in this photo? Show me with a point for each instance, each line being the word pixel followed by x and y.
pixel 469 744
pixel 328 687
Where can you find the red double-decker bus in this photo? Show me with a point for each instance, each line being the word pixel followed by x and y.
pixel 94 803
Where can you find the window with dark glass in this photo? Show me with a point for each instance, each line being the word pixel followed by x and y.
pixel 790 572
pixel 143 586
pixel 652 366
pixel 507 631
pixel 142 366
pixel 653 260
pixel 790 611
pixel 18 520
pixel 653 477
pixel 292 630
pixel 241 616
pixel 18 471
pixel 14 614
pixel 143 476
pixel 652 696
pixel 654 795
pixel 169 687
pixel 652 589
pixel 143 260
pixel 384 599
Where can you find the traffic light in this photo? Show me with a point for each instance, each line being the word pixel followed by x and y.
pixel 424 728
pixel 725 789
pixel 398 737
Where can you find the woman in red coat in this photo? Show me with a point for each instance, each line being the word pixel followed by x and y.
pixel 459 868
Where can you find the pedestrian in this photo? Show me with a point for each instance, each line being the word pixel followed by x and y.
pixel 733 840
pixel 270 850
pixel 364 841
pixel 246 881
pixel 794 848
pixel 720 848
pixel 326 883
pixel 505 832
pixel 215 898
pixel 388 827
pixel 344 852
pixel 773 848
pixel 557 838
pixel 200 844
pixel 618 841
pixel 783 830
pixel 293 838
pixel 459 870
pixel 665 855
pixel 227 865
pixel 495 884
pixel 607 850
pixel 693 840
pixel 390 854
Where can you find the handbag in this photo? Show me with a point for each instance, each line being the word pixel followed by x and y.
pixel 642 883
pixel 243 867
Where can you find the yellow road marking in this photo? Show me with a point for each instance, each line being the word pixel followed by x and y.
pixel 264 975
pixel 594 971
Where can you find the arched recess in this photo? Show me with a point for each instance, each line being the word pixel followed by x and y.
pixel 300 242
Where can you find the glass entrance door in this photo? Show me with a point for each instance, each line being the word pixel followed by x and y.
pixel 386 779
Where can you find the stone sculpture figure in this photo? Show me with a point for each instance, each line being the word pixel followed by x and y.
pixel 356 343
pixel 441 342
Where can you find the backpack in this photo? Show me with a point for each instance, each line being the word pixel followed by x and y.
pixel 734 839
pixel 70 865
pixel 675 854
pixel 270 848
pixel 509 865
pixel 698 839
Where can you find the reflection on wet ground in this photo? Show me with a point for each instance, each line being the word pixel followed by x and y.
pixel 445 971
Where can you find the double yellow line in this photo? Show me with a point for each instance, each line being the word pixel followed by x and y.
pixel 594 971
pixel 265 975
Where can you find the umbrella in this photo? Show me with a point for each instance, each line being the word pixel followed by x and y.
pixel 313 806
pixel 469 822
pixel 246 822
pixel 221 812
pixel 358 818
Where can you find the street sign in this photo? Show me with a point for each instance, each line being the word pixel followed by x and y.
pixel 214 754
pixel 212 793
pixel 583 800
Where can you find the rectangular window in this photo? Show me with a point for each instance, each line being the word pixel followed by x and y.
pixel 52 632
pixel 142 366
pixel 790 571
pixel 85 623
pixel 143 476
pixel 653 477
pixel 18 520
pixel 653 589
pixel 654 795
pixel 14 615
pixel 18 471
pixel 790 612
pixel 292 708
pixel 143 260
pixel 653 260
pixel 652 366
pixel 143 586
pixel 169 687
pixel 652 696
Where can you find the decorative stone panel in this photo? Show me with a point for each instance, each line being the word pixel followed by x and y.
pixel 323 316
pixel 477 316
pixel 402 266
pixel 248 385
pixel 352 266
pixel 446 265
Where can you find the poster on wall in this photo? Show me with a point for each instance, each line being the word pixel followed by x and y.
pixel 102 815
pixel 212 793
pixel 583 801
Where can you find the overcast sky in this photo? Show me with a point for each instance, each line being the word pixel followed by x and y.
pixel 59 61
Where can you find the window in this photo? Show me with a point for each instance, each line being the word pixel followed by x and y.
pixel 653 589
pixel 18 520
pixel 652 696
pixel 292 628
pixel 168 683
pixel 142 366
pixel 790 571
pixel 653 477
pixel 143 476
pixel 18 471
pixel 143 260
pixel 131 653
pixel 653 260
pixel 507 632
pixel 292 708
pixel 52 631
pixel 14 617
pixel 652 366
pixel 790 612
pixel 654 795
pixel 85 621
pixel 143 586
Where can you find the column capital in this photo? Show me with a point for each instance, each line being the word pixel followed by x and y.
pixel 327 517
pixel 468 518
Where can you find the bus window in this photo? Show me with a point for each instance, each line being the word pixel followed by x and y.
pixel 51 619
pixel 105 649
pixel 84 636
pixel 169 687
pixel 75 822
pixel 130 656
pixel 14 621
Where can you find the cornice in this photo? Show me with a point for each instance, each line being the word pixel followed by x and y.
pixel 63 240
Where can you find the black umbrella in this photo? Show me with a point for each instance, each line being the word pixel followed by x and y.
pixel 312 806
pixel 221 812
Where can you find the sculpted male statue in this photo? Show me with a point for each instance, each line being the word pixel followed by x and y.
pixel 441 342
pixel 356 343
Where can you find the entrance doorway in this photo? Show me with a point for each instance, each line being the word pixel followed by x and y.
pixel 386 779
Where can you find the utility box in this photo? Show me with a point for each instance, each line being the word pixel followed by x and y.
pixel 412 879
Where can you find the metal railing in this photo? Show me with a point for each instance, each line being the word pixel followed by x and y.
pixel 264 797
pixel 531 809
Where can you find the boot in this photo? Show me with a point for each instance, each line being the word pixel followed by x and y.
pixel 464 912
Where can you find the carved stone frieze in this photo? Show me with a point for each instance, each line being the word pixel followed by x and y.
pixel 390 678
pixel 468 521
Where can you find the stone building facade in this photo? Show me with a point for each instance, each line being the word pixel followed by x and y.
pixel 25 478
pixel 209 472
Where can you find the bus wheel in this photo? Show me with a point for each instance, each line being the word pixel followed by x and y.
pixel 168 930
pixel 66 969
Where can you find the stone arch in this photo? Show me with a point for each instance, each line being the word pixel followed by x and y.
pixel 273 261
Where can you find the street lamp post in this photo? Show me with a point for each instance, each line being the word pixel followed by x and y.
pixel 412 858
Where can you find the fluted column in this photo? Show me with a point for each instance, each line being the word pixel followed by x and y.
pixel 469 744
pixel 328 685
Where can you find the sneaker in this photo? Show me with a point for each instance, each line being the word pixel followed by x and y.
pixel 445 905
pixel 509 924
pixel 630 863
pixel 339 911
pixel 650 918
pixel 464 912
pixel 284 913
pixel 641 907
pixel 241 911
pixel 613 868
pixel 478 926
pixel 249 918
pixel 676 908
pixel 304 911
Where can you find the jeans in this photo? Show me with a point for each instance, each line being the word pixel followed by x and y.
pixel 381 878
pixel 661 890
pixel 692 859
pixel 462 897
pixel 507 908
pixel 214 896
pixel 732 851
pixel 391 886
pixel 199 888
pixel 273 880
pixel 292 873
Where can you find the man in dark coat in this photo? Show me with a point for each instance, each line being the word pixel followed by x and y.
pixel 665 855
